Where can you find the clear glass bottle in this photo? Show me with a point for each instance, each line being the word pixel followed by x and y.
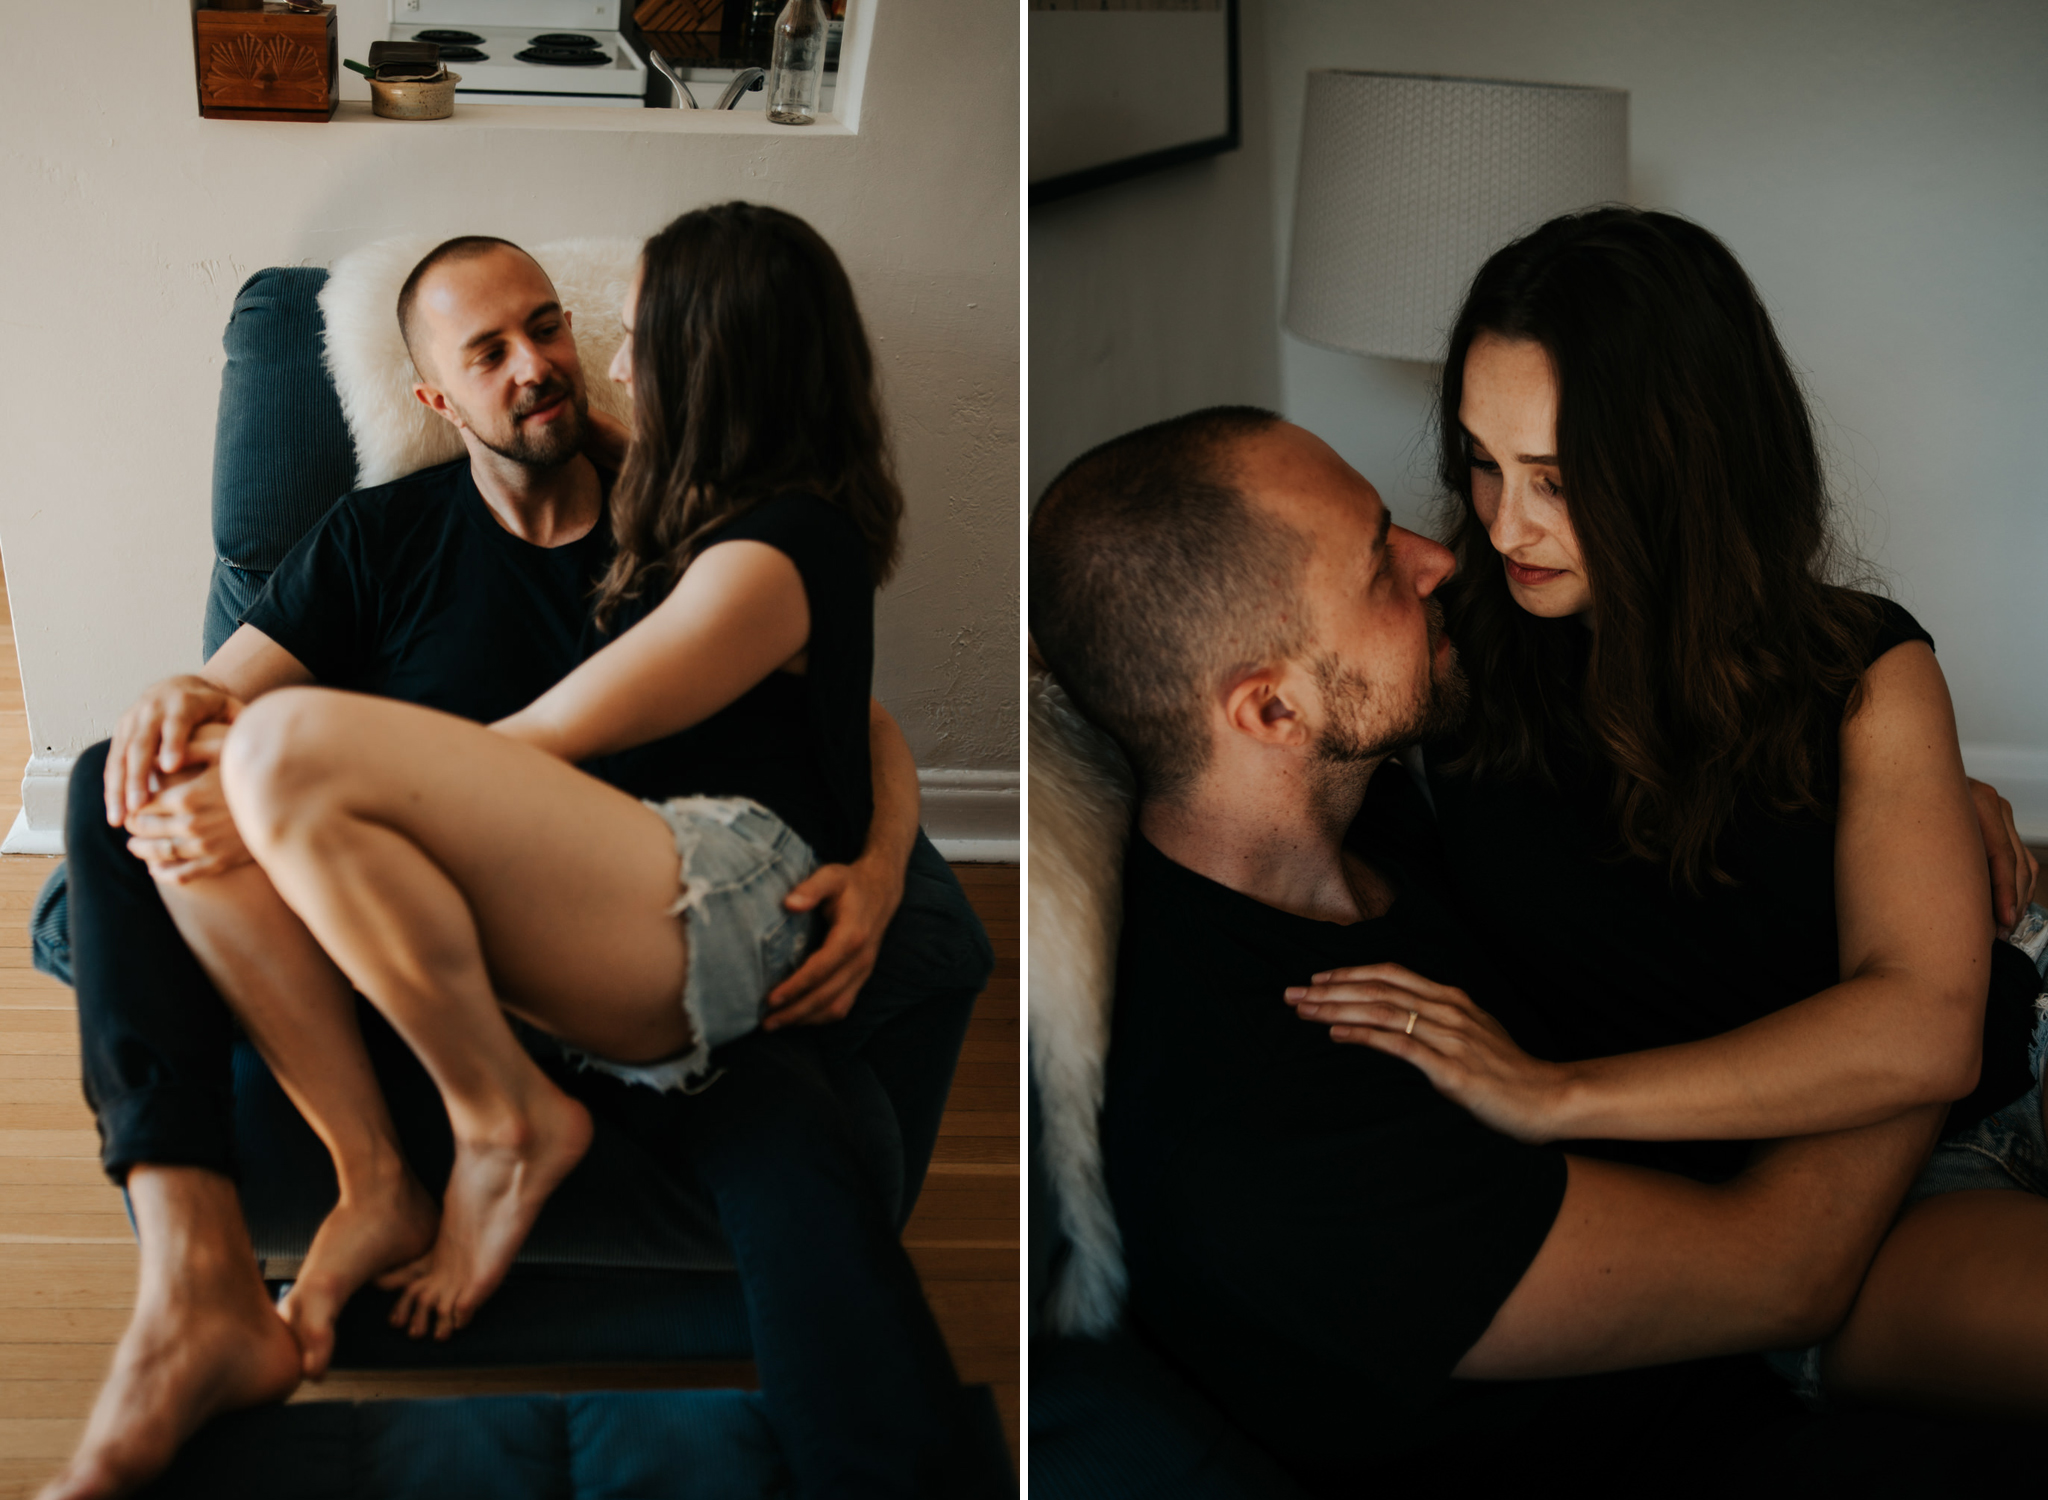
pixel 797 74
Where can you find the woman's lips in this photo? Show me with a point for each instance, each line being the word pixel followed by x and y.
pixel 1530 578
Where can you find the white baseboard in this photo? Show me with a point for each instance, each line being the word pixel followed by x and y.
pixel 972 816
pixel 2020 772
pixel 977 851
pixel 22 839
pixel 45 783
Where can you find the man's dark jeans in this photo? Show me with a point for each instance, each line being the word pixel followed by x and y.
pixel 852 1365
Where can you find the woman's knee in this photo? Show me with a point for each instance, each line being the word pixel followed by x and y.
pixel 281 757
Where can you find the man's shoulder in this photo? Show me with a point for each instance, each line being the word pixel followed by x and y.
pixel 1169 911
pixel 437 485
pixel 399 507
pixel 1186 919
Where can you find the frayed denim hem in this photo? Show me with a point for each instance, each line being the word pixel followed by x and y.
pixel 736 861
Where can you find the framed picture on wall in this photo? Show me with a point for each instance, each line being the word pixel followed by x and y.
pixel 1121 87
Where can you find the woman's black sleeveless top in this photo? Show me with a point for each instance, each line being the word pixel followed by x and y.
pixel 798 745
pixel 1616 959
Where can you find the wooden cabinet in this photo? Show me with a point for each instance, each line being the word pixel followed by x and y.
pixel 269 64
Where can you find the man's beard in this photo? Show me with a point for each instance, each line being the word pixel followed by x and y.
pixel 1351 737
pixel 560 441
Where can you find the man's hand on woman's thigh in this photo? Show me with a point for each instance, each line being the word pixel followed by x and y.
pixel 2013 867
pixel 858 900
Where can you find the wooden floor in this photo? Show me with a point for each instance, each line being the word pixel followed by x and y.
pixel 67 1260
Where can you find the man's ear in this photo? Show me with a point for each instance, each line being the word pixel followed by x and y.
pixel 437 402
pixel 1265 705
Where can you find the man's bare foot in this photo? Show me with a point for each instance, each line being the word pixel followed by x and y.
pixel 368 1233
pixel 204 1340
pixel 500 1181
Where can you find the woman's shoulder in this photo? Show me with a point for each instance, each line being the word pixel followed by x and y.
pixel 1901 696
pixel 792 513
pixel 819 537
pixel 1895 627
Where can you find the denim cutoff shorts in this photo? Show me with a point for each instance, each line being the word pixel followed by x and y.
pixel 737 862
pixel 2004 1151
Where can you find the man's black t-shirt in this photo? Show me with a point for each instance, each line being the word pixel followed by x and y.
pixel 1312 1233
pixel 413 590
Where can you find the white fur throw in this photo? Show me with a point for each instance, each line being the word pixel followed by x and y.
pixel 1081 800
pixel 393 433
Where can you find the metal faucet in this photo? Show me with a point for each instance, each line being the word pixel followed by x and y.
pixel 746 78
pixel 661 66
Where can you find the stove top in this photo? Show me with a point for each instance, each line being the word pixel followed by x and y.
pixel 564 57
pixel 530 65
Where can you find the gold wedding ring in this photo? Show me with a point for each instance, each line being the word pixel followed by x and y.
pixel 1409 1029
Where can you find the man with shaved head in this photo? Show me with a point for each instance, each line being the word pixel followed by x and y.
pixel 455 362
pixel 464 587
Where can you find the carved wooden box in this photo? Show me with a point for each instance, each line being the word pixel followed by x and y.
pixel 269 64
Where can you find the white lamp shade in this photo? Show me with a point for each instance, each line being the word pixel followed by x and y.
pixel 1408 183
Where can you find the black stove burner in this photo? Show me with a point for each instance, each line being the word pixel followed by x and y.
pixel 449 38
pixel 564 57
pixel 464 54
pixel 561 39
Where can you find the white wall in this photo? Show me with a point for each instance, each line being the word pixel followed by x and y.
pixel 1154 296
pixel 1881 169
pixel 1879 166
pixel 129 223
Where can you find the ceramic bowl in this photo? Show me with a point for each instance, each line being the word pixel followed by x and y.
pixel 414 101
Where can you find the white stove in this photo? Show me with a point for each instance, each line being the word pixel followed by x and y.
pixel 529 51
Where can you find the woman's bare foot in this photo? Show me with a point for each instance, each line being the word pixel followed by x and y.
pixel 369 1232
pixel 204 1340
pixel 502 1177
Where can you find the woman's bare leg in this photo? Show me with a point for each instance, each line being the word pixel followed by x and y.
pixel 448 870
pixel 1954 1312
pixel 301 1014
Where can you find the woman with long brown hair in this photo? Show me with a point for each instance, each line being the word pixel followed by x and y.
pixel 1710 800
pixel 454 872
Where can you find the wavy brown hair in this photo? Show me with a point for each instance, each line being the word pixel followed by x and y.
pixel 752 377
pixel 1721 655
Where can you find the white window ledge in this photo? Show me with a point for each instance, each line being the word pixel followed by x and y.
pixel 469 116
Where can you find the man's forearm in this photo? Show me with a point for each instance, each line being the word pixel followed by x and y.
pixel 250 664
pixel 893 829
pixel 860 898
